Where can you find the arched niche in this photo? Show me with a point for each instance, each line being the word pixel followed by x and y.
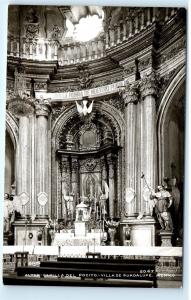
pixel 11 141
pixel 170 125
pixel 9 163
pixel 70 133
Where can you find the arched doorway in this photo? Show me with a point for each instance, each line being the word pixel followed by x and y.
pixel 171 119
pixel 171 133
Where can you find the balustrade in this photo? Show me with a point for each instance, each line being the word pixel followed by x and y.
pixel 39 49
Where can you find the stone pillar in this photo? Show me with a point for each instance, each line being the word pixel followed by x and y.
pixel 42 159
pixel 118 33
pixel 142 18
pixel 23 108
pixel 112 36
pixel 131 99
pixel 107 39
pixel 148 16
pixel 124 29
pixel 23 180
pixel 74 181
pixel 130 23
pixel 65 188
pixel 112 192
pixel 148 90
pixel 103 170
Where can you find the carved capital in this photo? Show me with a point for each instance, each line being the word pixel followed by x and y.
pixel 20 106
pixel 42 107
pixel 130 94
pixel 64 165
pixel 74 165
pixel 149 85
pixel 111 160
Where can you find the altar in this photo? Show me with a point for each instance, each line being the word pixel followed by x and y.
pixel 69 239
pixel 80 233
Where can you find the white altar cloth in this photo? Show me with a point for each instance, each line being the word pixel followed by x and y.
pixel 68 239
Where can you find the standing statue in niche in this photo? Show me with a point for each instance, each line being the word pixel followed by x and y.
pixel 163 201
pixel 69 201
pixel 8 213
pixel 103 199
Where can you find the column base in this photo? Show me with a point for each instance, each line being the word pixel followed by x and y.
pixel 34 232
pixel 166 238
pixel 142 232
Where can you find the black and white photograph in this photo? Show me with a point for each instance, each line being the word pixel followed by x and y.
pixel 94 146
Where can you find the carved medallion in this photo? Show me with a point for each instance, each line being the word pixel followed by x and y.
pixel 24 198
pixel 42 198
pixel 130 195
pixel 90 164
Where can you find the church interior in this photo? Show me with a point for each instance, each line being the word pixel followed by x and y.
pixel 95 117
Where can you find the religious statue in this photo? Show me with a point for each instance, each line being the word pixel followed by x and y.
pixel 163 201
pixel 103 199
pixel 69 202
pixel 8 213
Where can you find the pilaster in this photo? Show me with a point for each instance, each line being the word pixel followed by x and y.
pixel 42 157
pixel 148 89
pixel 131 99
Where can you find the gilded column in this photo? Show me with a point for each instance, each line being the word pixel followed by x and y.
pixel 42 158
pixel 112 195
pixel 148 90
pixel 131 99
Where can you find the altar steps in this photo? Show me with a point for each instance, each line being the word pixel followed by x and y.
pixel 91 272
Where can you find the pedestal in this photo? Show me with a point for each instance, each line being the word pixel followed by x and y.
pixel 112 232
pixel 80 228
pixel 166 238
pixel 30 232
pixel 142 232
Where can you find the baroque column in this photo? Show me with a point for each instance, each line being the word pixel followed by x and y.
pixel 131 98
pixel 42 158
pixel 148 88
pixel 65 188
pixel 112 193
pixel 20 104
pixel 74 181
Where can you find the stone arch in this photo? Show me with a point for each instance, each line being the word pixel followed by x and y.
pixel 111 115
pixel 175 90
pixel 108 111
pixel 12 129
pixel 11 142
